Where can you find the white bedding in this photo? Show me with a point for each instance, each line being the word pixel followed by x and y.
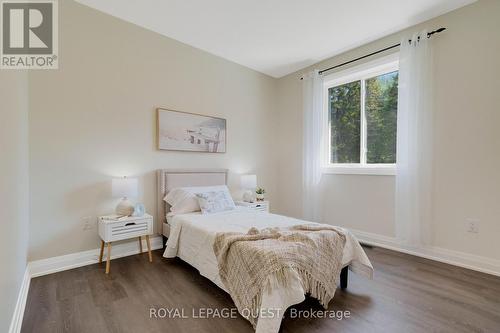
pixel 192 236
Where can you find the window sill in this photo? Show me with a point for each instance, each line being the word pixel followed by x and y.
pixel 379 170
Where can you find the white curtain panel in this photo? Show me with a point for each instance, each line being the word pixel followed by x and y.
pixel 414 142
pixel 313 124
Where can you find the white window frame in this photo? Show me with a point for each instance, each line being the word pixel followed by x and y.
pixel 362 72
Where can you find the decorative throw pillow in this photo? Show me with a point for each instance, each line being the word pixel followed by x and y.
pixel 215 201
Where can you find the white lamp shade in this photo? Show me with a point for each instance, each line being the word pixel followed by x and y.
pixel 124 187
pixel 248 181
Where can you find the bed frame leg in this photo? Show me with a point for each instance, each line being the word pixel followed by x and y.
pixel 343 277
pixel 164 242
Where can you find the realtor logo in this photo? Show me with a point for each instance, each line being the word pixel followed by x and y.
pixel 29 34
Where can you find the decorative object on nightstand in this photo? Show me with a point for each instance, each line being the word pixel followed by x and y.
pixel 114 228
pixel 262 206
pixel 259 193
pixel 249 183
pixel 139 210
pixel 124 188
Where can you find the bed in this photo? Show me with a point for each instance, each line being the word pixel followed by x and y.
pixel 191 237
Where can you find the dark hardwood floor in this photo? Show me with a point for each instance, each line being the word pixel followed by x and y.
pixel 407 294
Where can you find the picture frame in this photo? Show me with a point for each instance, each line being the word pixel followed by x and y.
pixel 190 132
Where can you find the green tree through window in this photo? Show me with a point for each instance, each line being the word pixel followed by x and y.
pixel 381 107
pixel 379 117
pixel 345 111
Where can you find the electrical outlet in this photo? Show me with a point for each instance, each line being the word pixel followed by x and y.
pixel 86 223
pixel 472 225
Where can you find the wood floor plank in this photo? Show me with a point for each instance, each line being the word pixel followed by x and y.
pixel 407 294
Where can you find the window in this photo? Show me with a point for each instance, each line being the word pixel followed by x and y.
pixel 362 115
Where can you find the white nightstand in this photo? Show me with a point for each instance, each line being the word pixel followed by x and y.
pixel 262 206
pixel 112 230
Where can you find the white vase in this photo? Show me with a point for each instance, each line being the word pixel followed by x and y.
pixel 260 197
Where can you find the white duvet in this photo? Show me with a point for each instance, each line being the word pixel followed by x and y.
pixel 192 237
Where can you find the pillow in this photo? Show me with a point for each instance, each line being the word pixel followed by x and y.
pixel 183 199
pixel 215 201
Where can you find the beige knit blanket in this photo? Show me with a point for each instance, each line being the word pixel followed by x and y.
pixel 248 261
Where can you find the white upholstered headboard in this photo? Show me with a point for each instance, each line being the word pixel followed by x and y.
pixel 172 178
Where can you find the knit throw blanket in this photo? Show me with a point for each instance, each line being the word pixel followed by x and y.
pixel 247 262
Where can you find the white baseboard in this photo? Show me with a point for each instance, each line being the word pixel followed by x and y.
pixel 457 258
pixel 17 317
pixel 74 260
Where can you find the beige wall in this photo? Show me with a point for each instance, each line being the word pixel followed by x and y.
pixel 467 159
pixel 13 189
pixel 94 119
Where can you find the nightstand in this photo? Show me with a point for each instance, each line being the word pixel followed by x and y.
pixel 112 229
pixel 262 206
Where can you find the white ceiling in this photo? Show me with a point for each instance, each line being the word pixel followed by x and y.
pixel 275 37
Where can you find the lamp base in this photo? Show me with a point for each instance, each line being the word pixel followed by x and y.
pixel 248 196
pixel 124 208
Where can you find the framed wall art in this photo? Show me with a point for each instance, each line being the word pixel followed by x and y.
pixel 183 131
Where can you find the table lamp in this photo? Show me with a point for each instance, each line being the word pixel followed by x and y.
pixel 124 188
pixel 249 183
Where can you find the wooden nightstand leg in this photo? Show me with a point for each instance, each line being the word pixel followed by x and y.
pixel 108 258
pixel 102 251
pixel 149 249
pixel 140 245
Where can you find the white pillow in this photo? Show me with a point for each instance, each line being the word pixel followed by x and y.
pixel 183 199
pixel 215 201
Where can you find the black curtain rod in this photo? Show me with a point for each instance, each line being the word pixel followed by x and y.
pixel 429 34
